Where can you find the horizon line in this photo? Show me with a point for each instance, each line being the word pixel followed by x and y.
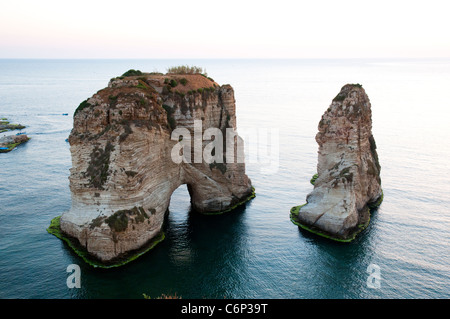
pixel 230 58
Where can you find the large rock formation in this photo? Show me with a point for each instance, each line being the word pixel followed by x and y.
pixel 348 181
pixel 123 169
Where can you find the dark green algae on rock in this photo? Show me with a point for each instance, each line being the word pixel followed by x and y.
pixel 118 223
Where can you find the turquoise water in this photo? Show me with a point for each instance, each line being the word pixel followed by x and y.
pixel 254 251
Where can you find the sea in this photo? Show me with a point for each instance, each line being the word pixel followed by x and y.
pixel 254 251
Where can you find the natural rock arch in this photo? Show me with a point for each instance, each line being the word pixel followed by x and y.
pixel 123 170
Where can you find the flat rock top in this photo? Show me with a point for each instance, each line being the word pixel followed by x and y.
pixel 193 81
pixel 183 83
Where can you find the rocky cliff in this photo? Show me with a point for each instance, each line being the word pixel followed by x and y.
pixel 123 170
pixel 348 180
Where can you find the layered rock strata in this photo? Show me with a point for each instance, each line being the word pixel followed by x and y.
pixel 347 183
pixel 123 170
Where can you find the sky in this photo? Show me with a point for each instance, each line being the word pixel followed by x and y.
pixel 224 29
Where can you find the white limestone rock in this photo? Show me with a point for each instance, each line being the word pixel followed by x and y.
pixel 348 181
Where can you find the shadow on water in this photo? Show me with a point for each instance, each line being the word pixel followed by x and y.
pixel 342 267
pixel 207 252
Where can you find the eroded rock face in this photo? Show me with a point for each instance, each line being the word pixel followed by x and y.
pixel 348 180
pixel 123 175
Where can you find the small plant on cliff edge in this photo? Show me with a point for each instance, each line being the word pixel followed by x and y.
pixel 132 72
pixel 82 106
pixel 185 69
pixel 173 83
pixel 340 97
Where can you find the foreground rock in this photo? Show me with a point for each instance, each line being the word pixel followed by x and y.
pixel 348 181
pixel 123 173
pixel 10 142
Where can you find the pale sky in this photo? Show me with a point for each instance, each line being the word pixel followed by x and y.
pixel 224 29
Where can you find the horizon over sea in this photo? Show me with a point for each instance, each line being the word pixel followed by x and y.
pixel 254 251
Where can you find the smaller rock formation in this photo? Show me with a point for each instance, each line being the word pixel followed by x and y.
pixel 347 183
pixel 10 142
pixel 6 126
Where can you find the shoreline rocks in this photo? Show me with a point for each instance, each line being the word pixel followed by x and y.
pixel 5 125
pixel 347 183
pixel 10 142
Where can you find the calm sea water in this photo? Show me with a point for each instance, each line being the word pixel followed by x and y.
pixel 254 251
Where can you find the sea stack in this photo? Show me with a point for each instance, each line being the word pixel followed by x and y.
pixel 347 184
pixel 125 163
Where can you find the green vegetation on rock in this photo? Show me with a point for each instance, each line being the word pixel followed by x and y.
pixel 173 83
pixel 313 179
pixel 5 125
pixel 377 203
pixel 98 169
pixel 294 212
pixel 10 147
pixel 185 69
pixel 340 97
pixel 118 221
pixel 294 219
pixel 10 142
pixel 82 106
pixel 132 72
